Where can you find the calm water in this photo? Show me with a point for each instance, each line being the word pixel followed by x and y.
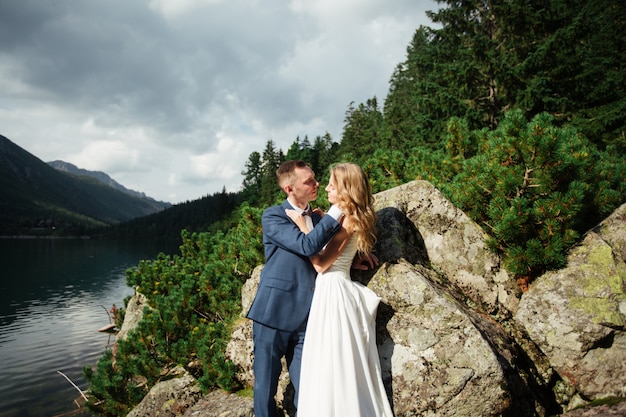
pixel 54 296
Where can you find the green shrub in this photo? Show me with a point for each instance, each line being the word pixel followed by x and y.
pixel 194 298
pixel 535 188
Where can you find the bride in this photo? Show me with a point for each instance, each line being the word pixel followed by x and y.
pixel 340 373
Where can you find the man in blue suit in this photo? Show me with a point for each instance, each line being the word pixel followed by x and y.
pixel 281 306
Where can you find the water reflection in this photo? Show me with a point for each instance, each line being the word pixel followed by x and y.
pixel 54 297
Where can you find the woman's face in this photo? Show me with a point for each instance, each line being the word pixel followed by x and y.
pixel 331 189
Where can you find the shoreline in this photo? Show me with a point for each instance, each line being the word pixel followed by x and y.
pixel 42 237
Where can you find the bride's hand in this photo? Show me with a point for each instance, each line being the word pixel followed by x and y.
pixel 298 219
pixel 365 261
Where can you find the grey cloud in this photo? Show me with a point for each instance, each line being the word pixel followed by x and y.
pixel 187 79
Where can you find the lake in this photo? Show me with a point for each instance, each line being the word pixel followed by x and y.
pixel 54 296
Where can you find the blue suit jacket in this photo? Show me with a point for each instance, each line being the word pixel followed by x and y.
pixel 285 290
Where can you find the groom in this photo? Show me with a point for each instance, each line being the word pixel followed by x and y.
pixel 281 306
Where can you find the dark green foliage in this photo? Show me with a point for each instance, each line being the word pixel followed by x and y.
pixel 534 188
pixel 388 168
pixel 270 161
pixel 363 132
pixel 385 169
pixel 194 299
pixel 576 71
pixel 414 106
pixel 117 389
pixel 204 214
pixel 488 57
pixel 252 179
pixel 323 154
pixel 609 173
pixel 301 150
pixel 319 156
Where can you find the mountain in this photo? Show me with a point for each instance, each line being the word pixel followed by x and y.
pixel 100 176
pixel 36 198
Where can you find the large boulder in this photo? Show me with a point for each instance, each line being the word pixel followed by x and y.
pixel 172 396
pixel 577 315
pixel 452 242
pixel 441 358
pixel 221 404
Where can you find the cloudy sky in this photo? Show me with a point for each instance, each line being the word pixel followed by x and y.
pixel 170 97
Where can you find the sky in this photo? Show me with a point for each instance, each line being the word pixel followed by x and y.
pixel 170 97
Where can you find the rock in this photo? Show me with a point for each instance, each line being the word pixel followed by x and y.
pixel 240 350
pixel 453 243
pixel 221 404
pixel 169 397
pixel 616 410
pixel 133 314
pixel 438 356
pixel 577 315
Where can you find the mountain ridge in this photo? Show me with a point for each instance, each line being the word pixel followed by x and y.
pixel 103 177
pixel 36 198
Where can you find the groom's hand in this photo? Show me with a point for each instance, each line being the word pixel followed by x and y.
pixel 364 262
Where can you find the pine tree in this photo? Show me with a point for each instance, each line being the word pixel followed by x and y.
pixel 576 71
pixel 252 179
pixel 271 159
pixel 324 153
pixel 362 132
pixel 487 57
pixel 295 150
pixel 385 169
pixel 530 186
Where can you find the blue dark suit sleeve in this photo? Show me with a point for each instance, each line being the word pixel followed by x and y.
pixel 282 232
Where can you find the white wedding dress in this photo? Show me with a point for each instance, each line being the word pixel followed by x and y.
pixel 340 374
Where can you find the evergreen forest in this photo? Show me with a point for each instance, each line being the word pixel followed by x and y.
pixel 513 109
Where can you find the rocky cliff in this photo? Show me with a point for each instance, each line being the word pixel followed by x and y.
pixel 456 335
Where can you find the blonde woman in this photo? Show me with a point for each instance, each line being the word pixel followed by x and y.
pixel 340 373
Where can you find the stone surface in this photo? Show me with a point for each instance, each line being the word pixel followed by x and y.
pixel 134 313
pixel 617 410
pixel 170 397
pixel 577 315
pixel 221 404
pixel 453 243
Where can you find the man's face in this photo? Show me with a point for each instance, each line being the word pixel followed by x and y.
pixel 304 188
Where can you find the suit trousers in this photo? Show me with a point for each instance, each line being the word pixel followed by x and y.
pixel 270 345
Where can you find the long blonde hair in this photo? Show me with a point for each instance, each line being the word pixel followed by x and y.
pixel 354 197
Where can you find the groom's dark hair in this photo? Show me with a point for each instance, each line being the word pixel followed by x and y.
pixel 287 168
